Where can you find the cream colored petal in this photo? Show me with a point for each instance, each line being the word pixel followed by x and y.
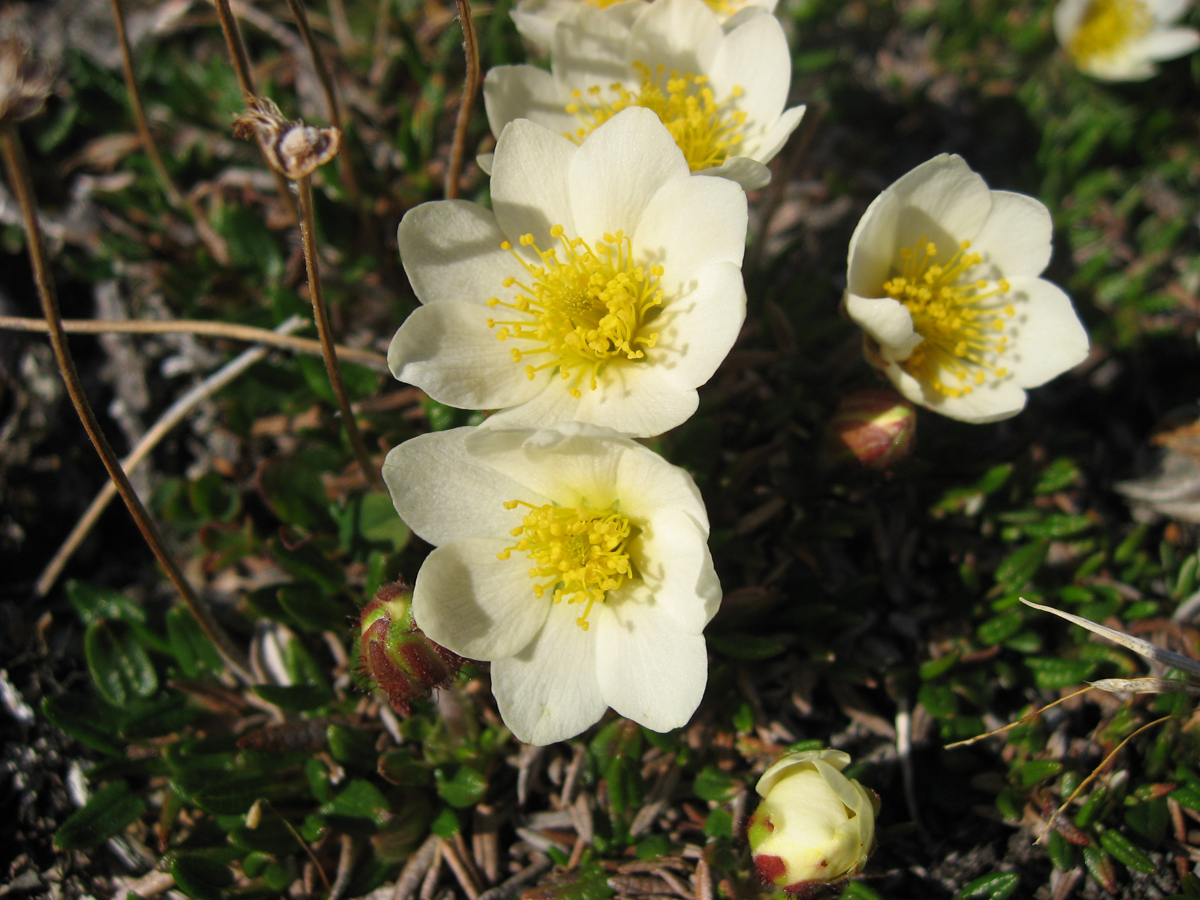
pixel 451 251
pixel 887 321
pixel 589 50
pixel 699 324
pixel 992 402
pixel 1048 338
pixel 749 174
pixel 765 148
pixel 1165 43
pixel 525 92
pixel 1068 14
pixel 549 691
pixel 688 224
pixel 755 58
pixel 530 191
pixel 475 604
pixel 484 161
pixel 839 759
pixel 1016 238
pixel 1167 11
pixel 873 249
pixel 647 486
pixel 671 555
pixel 943 201
pixel 680 35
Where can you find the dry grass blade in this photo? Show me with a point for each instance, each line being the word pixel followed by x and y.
pixel 1037 712
pixel 1137 645
pixel 415 869
pixel 1146 686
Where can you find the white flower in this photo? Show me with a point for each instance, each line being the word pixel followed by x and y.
pixel 814 824
pixel 636 298
pixel 1121 40
pixel 943 279
pixel 536 19
pixel 572 558
pixel 721 94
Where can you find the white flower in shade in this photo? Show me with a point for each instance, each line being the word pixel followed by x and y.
pixel 943 279
pixel 814 825
pixel 605 287
pixel 536 19
pixel 1121 40
pixel 720 93
pixel 574 559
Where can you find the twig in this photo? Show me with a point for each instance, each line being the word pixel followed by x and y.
pixel 206 327
pixel 346 860
pixel 470 86
pixel 415 869
pixel 331 98
pixel 309 241
pixel 211 239
pixel 18 175
pixel 241 67
pixel 175 413
pixel 512 887
pixel 1037 712
pixel 459 868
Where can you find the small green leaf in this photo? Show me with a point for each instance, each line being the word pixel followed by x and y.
pixel 199 877
pixel 719 824
pixel 306 563
pixel 109 812
pixel 295 697
pixel 313 609
pixel 359 808
pixel 1036 771
pixel 1021 565
pixel 94 603
pixel 1059 526
pixel 293 489
pixel 750 647
pixel 446 824
pixel 119 664
pixel 1123 850
pixel 856 890
pixel 932 668
pixel 1051 673
pixel 998 629
pixel 379 523
pixel 90 720
pixel 193 650
pixel 465 789
pixel 1061 852
pixel 714 785
pixel 1060 474
pixel 1099 866
pixel 995 886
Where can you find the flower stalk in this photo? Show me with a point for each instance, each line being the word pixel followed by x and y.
pixel 470 87
pixel 22 188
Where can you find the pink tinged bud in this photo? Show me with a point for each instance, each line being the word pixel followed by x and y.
pixel 395 654
pixel 874 427
pixel 814 825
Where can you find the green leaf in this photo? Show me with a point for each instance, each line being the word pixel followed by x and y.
pixel 714 785
pixel 1060 474
pixel 932 668
pixel 751 647
pixel 446 824
pixel 118 662
pixel 995 886
pixel 109 812
pixel 359 808
pixel 295 697
pixel 856 890
pixel 199 877
pixel 1051 673
pixel 1059 526
pixel 214 499
pixel 313 609
pixel 1123 850
pixel 1061 852
pixel 307 563
pixel 1036 771
pixel 293 489
pixel 94 603
pixel 465 789
pixel 719 824
pixel 193 650
pixel 1021 565
pixel 379 523
pixel 90 720
pixel 998 629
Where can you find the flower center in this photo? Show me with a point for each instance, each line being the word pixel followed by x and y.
pixel 707 131
pixel 963 332
pixel 581 551
pixel 1107 25
pixel 585 310
pixel 720 7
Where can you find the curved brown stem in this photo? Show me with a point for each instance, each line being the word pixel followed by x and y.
pixel 470 86
pixel 22 188
pixel 321 315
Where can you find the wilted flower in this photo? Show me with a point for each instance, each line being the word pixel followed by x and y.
pixel 873 426
pixel 605 287
pixel 24 84
pixel 943 279
pixel 572 558
pixel 721 95
pixel 536 19
pixel 396 655
pixel 293 149
pixel 1121 40
pixel 814 824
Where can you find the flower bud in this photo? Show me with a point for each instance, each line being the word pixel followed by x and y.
pixel 814 825
pixel 874 426
pixel 395 654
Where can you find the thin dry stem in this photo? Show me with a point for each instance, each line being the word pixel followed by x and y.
pixel 1033 715
pixel 204 327
pixel 345 169
pixel 22 188
pixel 309 240
pixel 470 86
pixel 174 414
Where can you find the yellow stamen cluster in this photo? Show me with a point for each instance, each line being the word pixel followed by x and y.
pixel 708 131
pixel 580 551
pixel 720 7
pixel 961 322
pixel 1107 25
pixel 585 311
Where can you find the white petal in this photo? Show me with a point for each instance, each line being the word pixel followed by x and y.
pixel 1166 11
pixel 647 485
pixel 743 15
pixel 447 350
pixel 671 555
pixel 1048 338
pixel 1122 67
pixel 1068 15
pixel 699 324
pixel 941 200
pixel 754 57
pixel 535 19
pixel 524 92
pixel 1015 238
pixel 619 169
pixel 549 691
pixel 529 181
pixel 444 494
pixel 451 251
pixel 887 321
pixel 747 173
pixel 631 398
pixel 990 403
pixel 1165 43
pixel 689 223
pixel 484 161
pixel 680 35
pixel 589 49
pixel 573 464
pixel 873 249
pixel 766 147
pixel 477 605
pixel 649 670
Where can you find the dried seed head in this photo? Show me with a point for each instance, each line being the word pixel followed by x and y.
pixel 24 84
pixel 291 148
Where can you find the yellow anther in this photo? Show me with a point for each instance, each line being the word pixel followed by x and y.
pixel 1106 26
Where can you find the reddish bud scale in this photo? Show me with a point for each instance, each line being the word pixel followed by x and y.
pixel 874 427
pixel 396 655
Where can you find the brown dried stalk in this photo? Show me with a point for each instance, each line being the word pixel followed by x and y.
pixel 470 86
pixel 22 188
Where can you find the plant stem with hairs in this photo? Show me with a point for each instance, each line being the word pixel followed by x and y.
pixel 22 188
pixel 470 86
